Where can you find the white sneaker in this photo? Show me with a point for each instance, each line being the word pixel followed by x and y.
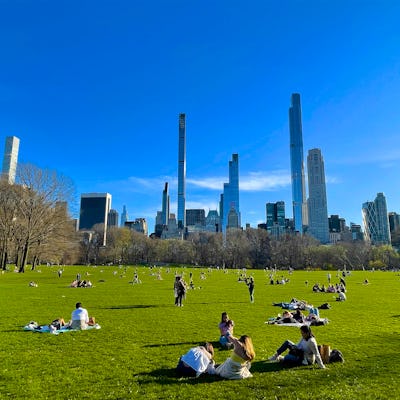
pixel 273 358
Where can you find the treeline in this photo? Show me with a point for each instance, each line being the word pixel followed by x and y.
pixel 35 228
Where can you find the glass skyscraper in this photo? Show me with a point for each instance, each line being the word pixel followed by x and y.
pixel 10 159
pixel 297 165
pixel 165 205
pixel 182 171
pixel 95 208
pixel 376 221
pixel 318 225
pixel 230 197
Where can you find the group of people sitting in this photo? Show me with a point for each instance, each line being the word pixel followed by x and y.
pixel 80 320
pixel 200 359
pixel 337 288
pixel 84 284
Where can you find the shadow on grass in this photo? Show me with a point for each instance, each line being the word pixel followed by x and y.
pixel 127 307
pixel 167 376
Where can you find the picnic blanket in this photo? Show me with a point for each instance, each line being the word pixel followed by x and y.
pixel 321 321
pixel 34 327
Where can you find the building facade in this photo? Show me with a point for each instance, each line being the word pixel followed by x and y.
pixel 138 225
pixel 112 220
pixel 276 221
pixel 318 226
pixel 94 209
pixel 10 159
pixel 230 197
pixel 376 221
pixel 182 171
pixel 297 164
pixel 124 216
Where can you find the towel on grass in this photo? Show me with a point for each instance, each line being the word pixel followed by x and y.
pixel 34 327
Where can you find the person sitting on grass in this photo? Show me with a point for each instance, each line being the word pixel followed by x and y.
pixel 226 325
pixel 304 353
pixel 198 360
pixel 237 366
pixel 80 318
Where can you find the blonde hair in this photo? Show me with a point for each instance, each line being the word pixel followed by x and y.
pixel 248 346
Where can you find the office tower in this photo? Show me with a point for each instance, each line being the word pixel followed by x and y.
pixel 124 216
pixel 230 197
pixel 10 159
pixel 138 225
pixel 394 222
pixel 318 226
pixel 356 232
pixel 112 220
pixel 213 223
pixel 233 219
pixel 275 214
pixel 182 171
pixel 336 224
pixel 297 165
pixel 94 210
pixel 376 221
pixel 165 205
pixel 276 221
pixel 195 217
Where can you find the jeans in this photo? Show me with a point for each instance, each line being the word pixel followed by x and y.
pixel 290 358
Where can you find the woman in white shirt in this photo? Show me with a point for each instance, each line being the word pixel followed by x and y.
pixel 303 353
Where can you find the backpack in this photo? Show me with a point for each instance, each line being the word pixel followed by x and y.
pixel 336 356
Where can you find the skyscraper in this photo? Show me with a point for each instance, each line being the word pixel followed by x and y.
pixel 94 210
pixel 112 220
pixel 376 221
pixel 165 205
pixel 297 164
pixel 230 196
pixel 10 159
pixel 182 171
pixel 124 216
pixel 318 225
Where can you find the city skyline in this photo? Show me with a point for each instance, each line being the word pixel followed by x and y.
pixel 95 91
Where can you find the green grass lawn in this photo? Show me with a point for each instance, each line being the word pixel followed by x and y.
pixel 143 334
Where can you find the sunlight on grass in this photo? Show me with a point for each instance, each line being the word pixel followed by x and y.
pixel 143 335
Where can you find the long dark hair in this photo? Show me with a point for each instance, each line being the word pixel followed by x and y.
pixel 307 330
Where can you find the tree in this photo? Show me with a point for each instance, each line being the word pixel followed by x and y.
pixel 41 207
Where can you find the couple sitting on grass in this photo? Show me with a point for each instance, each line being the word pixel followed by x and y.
pixel 199 360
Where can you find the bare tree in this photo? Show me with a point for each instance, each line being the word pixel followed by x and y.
pixel 42 214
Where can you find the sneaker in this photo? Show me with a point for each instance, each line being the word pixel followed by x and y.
pixel 273 358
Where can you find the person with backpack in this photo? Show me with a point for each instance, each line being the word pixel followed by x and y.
pixel 304 353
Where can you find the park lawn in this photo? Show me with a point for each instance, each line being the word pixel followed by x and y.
pixel 143 334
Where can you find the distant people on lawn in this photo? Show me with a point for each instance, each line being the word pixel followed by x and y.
pixel 237 366
pixel 341 296
pixel 225 328
pixel 198 360
pixel 305 352
pixel 80 318
pixel 179 290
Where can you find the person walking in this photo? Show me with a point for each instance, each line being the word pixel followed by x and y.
pixel 250 285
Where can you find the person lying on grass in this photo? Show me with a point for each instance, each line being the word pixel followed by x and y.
pixel 198 360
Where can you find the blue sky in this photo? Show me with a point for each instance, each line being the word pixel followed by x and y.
pixel 94 88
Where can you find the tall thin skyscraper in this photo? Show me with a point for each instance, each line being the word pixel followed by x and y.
pixel 230 197
pixel 318 225
pixel 124 216
pixel 376 221
pixel 165 205
pixel 10 159
pixel 297 164
pixel 182 171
